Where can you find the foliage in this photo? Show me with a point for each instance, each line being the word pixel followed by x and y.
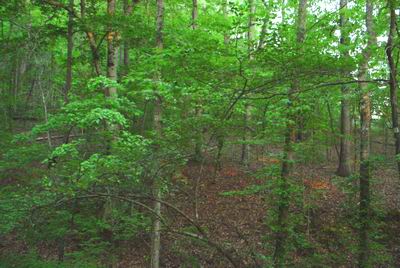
pixel 79 166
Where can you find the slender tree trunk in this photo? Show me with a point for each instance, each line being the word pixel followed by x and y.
pixel 156 236
pixel 263 32
pixel 283 12
pixel 245 156
pixel 393 84
pixel 385 138
pixel 287 161
pixel 251 27
pixel 111 92
pixel 195 14
pixel 220 146
pixel 112 55
pixel 247 113
pixel 344 168
pixel 128 9
pixel 67 89
pixel 70 47
pixel 220 137
pixel 331 125
pixel 45 111
pixel 92 41
pixel 198 157
pixel 16 85
pixel 127 12
pixel 283 206
pixel 198 111
pixel 225 12
pixel 365 119
pixel 301 33
pixel 355 140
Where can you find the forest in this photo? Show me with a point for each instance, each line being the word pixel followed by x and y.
pixel 199 133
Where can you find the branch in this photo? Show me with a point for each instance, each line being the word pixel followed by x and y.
pixel 56 137
pixel 62 6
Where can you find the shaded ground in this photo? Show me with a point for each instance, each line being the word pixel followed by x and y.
pixel 236 224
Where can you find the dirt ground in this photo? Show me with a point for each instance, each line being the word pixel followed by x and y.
pixel 235 228
pixel 238 222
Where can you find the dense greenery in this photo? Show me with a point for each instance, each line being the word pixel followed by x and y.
pixel 108 108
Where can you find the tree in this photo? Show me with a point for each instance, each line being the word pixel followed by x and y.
pixel 70 47
pixel 287 161
pixel 128 6
pixel 365 119
pixel 156 234
pixel 247 109
pixel 393 84
pixel 344 168
pixel 112 36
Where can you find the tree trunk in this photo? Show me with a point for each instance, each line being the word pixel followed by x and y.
pixel 225 12
pixel 365 120
pixel 70 47
pixel 385 138
pixel 344 168
pixel 156 236
pixel 247 113
pixel 128 9
pixel 127 12
pixel 287 161
pixel 112 36
pixel 111 92
pixel 355 140
pixel 245 157
pixel 67 89
pixel 393 78
pixel 92 41
pixel 301 34
pixel 198 110
pixel 45 110
pixel 331 125
pixel 266 18
pixel 283 207
pixel 195 14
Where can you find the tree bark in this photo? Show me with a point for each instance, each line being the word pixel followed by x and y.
pixel 112 36
pixel 156 236
pixel 225 12
pixel 288 155
pixel 344 168
pixel 127 12
pixel 128 9
pixel 198 110
pixel 195 14
pixel 365 120
pixel 67 89
pixel 92 41
pixel 247 113
pixel 111 92
pixel 393 83
pixel 301 34
pixel 70 48
pixel 263 32
pixel 385 138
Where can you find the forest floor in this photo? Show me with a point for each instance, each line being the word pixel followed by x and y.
pixel 236 225
pixel 238 222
